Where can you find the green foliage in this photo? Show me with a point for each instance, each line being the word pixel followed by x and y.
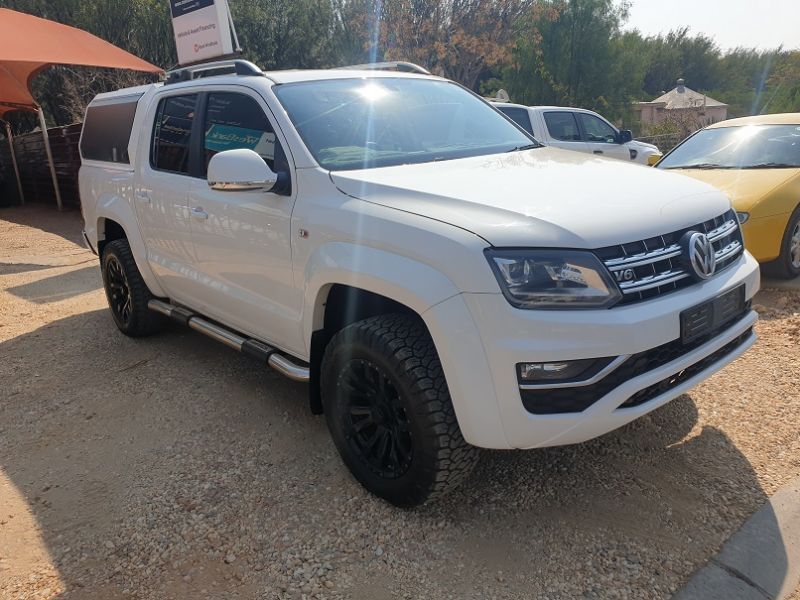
pixel 563 52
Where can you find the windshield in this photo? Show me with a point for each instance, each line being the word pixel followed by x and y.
pixel 744 147
pixel 378 122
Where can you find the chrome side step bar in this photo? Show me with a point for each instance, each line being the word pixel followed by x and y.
pixel 259 350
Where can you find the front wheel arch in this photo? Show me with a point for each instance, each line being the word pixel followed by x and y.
pixel 343 305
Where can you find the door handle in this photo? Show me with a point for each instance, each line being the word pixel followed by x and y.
pixel 199 213
pixel 598 151
pixel 142 196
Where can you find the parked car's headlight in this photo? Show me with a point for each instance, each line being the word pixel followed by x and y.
pixel 553 279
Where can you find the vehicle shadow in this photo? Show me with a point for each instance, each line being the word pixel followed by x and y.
pixel 60 286
pixel 173 467
pixel 17 268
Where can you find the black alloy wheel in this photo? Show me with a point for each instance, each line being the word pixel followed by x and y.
pixel 119 293
pixel 126 291
pixel 376 425
pixel 389 410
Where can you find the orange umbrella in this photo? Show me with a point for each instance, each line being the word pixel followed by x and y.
pixel 29 44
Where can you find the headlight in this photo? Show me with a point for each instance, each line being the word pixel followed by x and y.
pixel 743 217
pixel 553 279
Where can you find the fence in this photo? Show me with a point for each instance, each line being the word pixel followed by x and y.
pixel 34 169
pixel 665 142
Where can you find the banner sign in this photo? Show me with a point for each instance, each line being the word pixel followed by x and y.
pixel 202 29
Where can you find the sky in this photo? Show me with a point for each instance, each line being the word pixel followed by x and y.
pixel 763 24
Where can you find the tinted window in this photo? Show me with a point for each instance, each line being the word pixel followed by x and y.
pixel 520 116
pixel 745 147
pixel 107 130
pixel 383 121
pixel 597 130
pixel 172 133
pixel 236 121
pixel 562 126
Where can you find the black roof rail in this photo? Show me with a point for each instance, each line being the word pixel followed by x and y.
pixel 214 69
pixel 396 65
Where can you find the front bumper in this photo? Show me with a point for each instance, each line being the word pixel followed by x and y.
pixel 480 365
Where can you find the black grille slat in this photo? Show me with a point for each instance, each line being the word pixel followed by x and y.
pixel 672 381
pixel 578 399
pixel 657 265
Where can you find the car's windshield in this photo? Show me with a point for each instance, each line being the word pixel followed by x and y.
pixel 744 147
pixel 383 121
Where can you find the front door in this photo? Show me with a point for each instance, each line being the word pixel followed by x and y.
pixel 241 238
pixel 602 137
pixel 563 131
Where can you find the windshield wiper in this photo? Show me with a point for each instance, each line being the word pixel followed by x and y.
pixel 701 166
pixel 525 147
pixel 772 165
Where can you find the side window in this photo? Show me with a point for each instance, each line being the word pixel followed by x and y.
pixel 107 130
pixel 172 133
pixel 520 116
pixel 597 130
pixel 562 126
pixel 236 121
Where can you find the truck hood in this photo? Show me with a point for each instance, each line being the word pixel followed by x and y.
pixel 643 146
pixel 746 187
pixel 544 197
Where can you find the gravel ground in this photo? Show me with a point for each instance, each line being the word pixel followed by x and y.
pixel 172 467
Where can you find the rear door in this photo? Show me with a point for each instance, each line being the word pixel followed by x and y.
pixel 242 239
pixel 563 131
pixel 602 137
pixel 161 189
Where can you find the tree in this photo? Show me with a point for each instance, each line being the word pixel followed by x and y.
pixel 459 39
pixel 575 57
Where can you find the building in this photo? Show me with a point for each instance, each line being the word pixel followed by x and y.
pixel 683 106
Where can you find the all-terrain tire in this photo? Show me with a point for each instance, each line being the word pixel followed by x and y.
pixel 787 265
pixel 127 292
pixel 383 372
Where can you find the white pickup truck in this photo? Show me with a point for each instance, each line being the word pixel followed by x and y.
pixel 440 280
pixel 579 130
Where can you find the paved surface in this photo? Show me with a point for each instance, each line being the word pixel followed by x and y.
pixel 761 561
pixel 171 467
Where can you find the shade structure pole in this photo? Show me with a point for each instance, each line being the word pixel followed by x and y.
pixel 47 149
pixel 10 137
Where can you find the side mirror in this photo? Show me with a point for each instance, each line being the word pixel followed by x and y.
pixel 625 136
pixel 240 170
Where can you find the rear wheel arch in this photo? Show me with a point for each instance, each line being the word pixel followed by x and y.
pixel 108 230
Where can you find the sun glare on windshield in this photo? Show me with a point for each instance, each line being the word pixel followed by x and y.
pixel 743 134
pixel 372 92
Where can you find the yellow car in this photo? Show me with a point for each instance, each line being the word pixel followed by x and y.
pixel 756 161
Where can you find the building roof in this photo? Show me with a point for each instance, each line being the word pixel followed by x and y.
pixel 777 119
pixel 684 97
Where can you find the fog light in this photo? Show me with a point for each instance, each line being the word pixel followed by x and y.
pixel 743 217
pixel 553 371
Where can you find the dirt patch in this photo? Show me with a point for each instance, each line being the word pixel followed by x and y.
pixel 171 467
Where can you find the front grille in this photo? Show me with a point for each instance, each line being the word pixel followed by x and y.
pixel 652 267
pixel 578 399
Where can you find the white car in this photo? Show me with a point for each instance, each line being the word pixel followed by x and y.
pixel 579 130
pixel 441 280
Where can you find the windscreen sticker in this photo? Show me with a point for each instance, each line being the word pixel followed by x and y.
pixel 228 137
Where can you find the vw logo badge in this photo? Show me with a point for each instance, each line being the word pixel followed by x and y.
pixel 699 254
